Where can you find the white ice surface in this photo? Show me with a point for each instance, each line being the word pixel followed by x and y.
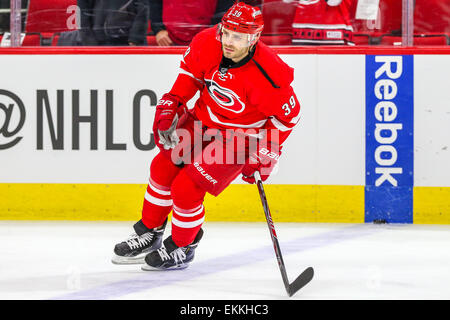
pixel 71 260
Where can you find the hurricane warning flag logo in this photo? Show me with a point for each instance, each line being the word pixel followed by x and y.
pixel 224 97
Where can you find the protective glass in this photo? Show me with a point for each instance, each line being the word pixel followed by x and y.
pixel 286 22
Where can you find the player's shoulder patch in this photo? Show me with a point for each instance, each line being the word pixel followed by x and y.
pixel 276 69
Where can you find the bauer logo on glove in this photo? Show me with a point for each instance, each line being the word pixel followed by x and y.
pixel 168 112
pixel 263 161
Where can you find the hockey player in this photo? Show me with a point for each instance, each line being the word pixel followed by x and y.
pixel 244 89
pixel 323 22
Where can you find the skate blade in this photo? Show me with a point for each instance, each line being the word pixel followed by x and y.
pixel 127 260
pixel 147 267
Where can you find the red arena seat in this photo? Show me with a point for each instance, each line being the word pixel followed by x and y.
pixel 431 40
pixel 419 40
pixel 54 39
pixel 361 39
pixel 32 40
pixel 388 40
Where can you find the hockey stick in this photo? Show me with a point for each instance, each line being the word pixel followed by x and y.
pixel 306 276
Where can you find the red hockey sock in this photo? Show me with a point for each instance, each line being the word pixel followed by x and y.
pixel 158 199
pixel 188 211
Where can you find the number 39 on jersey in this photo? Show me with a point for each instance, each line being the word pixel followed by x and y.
pixel 287 107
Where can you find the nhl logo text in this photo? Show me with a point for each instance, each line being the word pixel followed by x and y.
pixel 10 126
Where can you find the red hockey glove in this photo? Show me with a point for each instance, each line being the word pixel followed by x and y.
pixel 264 160
pixel 168 111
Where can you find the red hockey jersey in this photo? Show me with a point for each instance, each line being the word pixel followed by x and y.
pixel 253 95
pixel 316 22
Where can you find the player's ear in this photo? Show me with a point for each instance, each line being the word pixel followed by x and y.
pixel 256 38
pixel 254 42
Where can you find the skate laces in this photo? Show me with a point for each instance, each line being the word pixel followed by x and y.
pixel 178 255
pixel 136 241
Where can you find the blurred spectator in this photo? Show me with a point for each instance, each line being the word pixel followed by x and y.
pixel 323 22
pixel 388 20
pixel 176 22
pixel 110 23
pixel 432 16
pixel 4 15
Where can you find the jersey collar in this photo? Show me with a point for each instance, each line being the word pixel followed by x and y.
pixel 226 63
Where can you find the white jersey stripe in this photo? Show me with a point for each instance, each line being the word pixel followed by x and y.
pixel 322 26
pixel 323 41
pixel 157 185
pixel 279 125
pixel 193 214
pixel 187 210
pixel 258 124
pixel 159 191
pixel 318 41
pixel 295 119
pixel 158 202
pixel 182 71
pixel 187 225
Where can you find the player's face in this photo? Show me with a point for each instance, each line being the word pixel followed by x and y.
pixel 235 45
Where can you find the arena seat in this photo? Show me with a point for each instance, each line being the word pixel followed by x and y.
pixel 54 39
pixel 32 40
pixel 361 39
pixel 431 40
pixel 390 40
pixel 419 40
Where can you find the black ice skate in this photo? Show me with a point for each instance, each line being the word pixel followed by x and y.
pixel 170 256
pixel 139 244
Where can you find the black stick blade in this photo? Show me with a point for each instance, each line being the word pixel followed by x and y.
pixel 302 280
